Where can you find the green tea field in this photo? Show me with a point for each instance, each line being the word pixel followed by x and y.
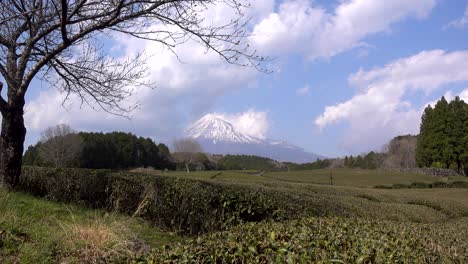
pixel 234 217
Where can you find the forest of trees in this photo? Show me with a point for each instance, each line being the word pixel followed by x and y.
pixel 318 164
pixel 443 138
pixel 60 146
pixel 116 150
pixel 372 160
pixel 399 153
pixel 248 162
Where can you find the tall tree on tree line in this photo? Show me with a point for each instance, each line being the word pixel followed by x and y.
pixel 443 137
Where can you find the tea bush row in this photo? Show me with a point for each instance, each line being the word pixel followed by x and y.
pixel 424 185
pixel 321 240
pixel 174 204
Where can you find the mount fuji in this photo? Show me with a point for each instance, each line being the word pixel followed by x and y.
pixel 218 136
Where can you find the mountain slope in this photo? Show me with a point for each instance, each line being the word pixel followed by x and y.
pixel 218 136
pixel 213 127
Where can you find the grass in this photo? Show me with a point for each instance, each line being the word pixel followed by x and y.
pixel 39 231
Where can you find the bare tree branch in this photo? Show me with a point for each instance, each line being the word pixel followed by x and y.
pixel 46 36
pixel 186 150
pixel 60 145
pixel 63 22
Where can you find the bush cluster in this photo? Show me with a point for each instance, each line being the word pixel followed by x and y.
pixel 424 185
pixel 175 204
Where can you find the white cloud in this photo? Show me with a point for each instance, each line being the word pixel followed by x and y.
pixel 259 9
pixel 183 90
pixel 304 90
pixel 251 122
pixel 464 95
pixel 186 90
pixel 379 110
pixel 461 22
pixel 302 27
pixel 449 96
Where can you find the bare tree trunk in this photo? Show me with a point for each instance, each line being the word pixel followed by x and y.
pixel 12 138
pixel 460 168
pixel 187 167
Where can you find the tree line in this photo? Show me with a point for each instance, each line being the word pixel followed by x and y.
pixel 442 143
pixel 398 153
pixel 62 147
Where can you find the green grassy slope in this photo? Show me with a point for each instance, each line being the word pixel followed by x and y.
pixel 39 231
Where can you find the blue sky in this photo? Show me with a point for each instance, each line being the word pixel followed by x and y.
pixel 348 76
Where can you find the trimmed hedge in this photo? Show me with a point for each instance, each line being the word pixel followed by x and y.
pixel 180 205
pixel 420 185
pixel 84 186
pixel 424 185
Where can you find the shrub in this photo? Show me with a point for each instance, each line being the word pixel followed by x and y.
pixel 83 186
pixel 423 185
pixel 439 184
pixel 458 184
pixel 419 185
pixel 400 186
pixel 381 186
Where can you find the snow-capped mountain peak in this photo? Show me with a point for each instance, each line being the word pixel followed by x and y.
pixel 218 136
pixel 214 127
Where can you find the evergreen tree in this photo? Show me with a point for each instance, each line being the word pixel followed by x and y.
pixel 351 161
pixel 424 147
pixel 456 120
pixel 165 157
pixel 441 133
pixel 114 150
pixel 359 162
pixel 443 138
pixel 32 157
pixel 464 142
pixel 370 161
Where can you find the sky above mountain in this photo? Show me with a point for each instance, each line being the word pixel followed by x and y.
pixel 348 75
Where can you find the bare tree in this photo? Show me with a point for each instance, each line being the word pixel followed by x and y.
pixel 60 145
pixel 61 41
pixel 401 152
pixel 186 150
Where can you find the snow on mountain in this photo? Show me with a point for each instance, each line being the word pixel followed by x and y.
pixel 214 128
pixel 218 136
